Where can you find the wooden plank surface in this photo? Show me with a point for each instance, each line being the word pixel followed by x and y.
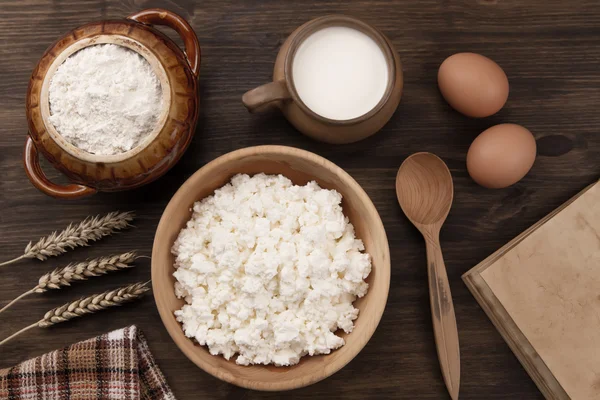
pixel 550 51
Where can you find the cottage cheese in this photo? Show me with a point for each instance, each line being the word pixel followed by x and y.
pixel 269 271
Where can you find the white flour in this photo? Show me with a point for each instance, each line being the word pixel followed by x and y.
pixel 105 99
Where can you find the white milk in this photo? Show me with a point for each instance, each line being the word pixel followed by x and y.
pixel 340 73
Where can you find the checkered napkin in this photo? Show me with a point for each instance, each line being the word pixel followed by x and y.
pixel 116 365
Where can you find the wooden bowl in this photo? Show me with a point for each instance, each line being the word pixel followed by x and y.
pixel 301 167
pixel 178 74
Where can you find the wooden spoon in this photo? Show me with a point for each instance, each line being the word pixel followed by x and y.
pixel 425 191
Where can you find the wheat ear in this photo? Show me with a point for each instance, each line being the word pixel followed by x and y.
pixel 87 305
pixel 76 235
pixel 80 271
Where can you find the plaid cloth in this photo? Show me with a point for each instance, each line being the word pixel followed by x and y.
pixel 116 365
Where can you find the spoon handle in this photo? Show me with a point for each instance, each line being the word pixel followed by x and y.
pixel 444 320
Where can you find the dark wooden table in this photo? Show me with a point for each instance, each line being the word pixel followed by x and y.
pixel 550 51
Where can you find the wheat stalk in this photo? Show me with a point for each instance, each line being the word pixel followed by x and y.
pixel 75 235
pixel 87 305
pixel 80 271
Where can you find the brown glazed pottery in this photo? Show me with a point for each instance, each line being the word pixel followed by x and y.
pixel 178 74
pixel 300 167
pixel 282 92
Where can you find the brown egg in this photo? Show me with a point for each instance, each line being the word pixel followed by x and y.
pixel 501 155
pixel 473 84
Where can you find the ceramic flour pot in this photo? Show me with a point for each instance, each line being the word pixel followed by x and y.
pixel 177 72
pixel 282 91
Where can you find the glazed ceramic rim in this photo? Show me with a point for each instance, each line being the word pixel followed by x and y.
pixel 158 267
pixel 130 44
pixel 327 21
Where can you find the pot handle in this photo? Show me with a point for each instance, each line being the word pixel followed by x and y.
pixel 257 98
pixel 159 16
pixel 39 180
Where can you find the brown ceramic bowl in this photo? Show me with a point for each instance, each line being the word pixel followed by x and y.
pixel 162 148
pixel 301 167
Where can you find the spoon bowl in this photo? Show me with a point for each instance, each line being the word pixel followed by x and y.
pixel 425 192
pixel 424 189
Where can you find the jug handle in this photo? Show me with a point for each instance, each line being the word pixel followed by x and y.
pixel 39 180
pixel 159 16
pixel 257 98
